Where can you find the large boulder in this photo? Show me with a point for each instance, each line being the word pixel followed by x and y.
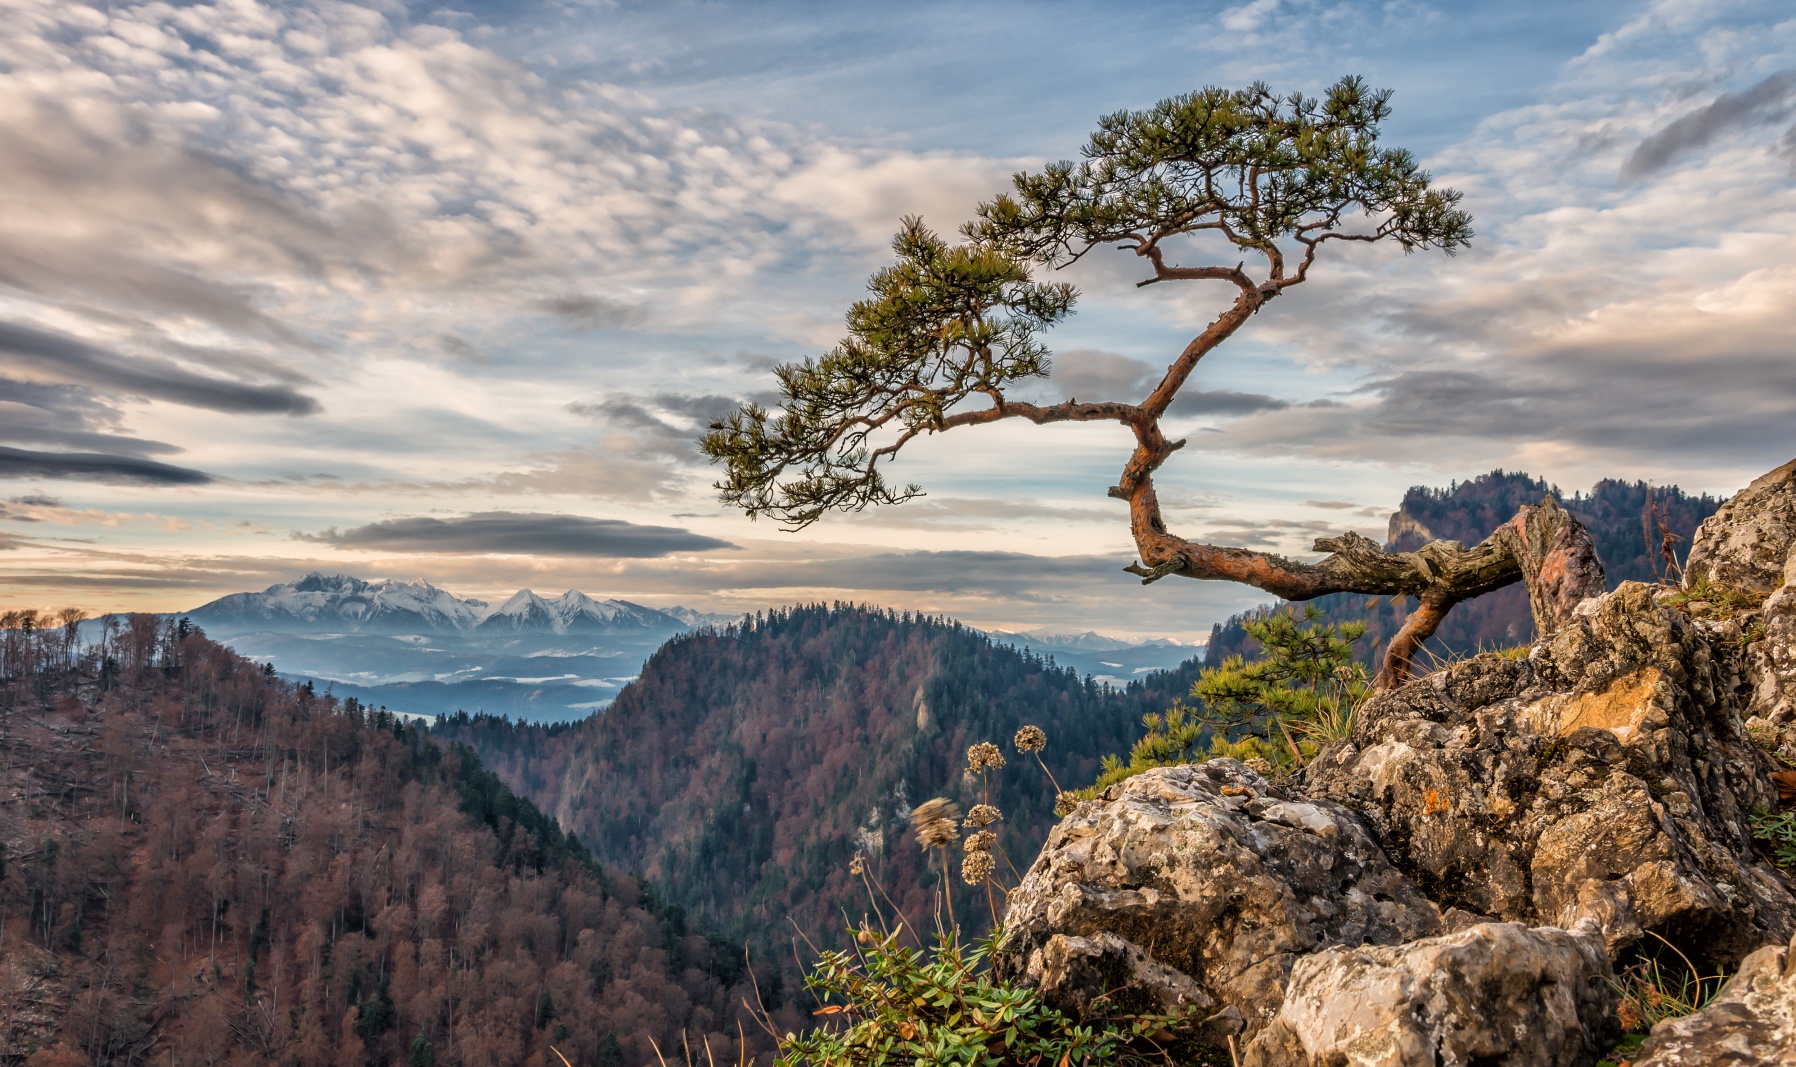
pixel 1201 886
pixel 1496 993
pixel 1747 544
pixel 1609 775
pixel 1750 1023
pixel 1771 661
pixel 1749 547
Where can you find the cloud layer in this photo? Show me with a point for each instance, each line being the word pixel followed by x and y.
pixel 308 266
pixel 94 466
pixel 522 533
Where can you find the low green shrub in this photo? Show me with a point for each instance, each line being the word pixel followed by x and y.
pixel 1303 693
pixel 884 1004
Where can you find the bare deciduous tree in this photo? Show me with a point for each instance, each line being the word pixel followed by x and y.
pixel 949 329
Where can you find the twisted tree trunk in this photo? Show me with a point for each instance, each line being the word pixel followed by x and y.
pixel 1544 546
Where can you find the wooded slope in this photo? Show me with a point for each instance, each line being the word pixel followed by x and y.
pixel 205 864
pixel 745 767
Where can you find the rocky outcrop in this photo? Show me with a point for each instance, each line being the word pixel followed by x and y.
pixel 1750 1023
pixel 1450 885
pixel 1771 663
pixel 1219 880
pixel 1495 993
pixel 1747 544
pixel 1609 775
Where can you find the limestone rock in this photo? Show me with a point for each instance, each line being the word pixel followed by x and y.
pixel 1771 660
pixel 1747 543
pixel 1750 544
pixel 1210 875
pixel 1494 994
pixel 1750 1023
pixel 1608 776
pixel 1073 972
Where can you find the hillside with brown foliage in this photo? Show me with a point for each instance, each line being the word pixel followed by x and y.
pixel 746 767
pixel 203 864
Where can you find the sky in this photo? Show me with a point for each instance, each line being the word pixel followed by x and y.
pixel 409 290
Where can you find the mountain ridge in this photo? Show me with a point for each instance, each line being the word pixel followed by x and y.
pixel 345 603
pixel 745 766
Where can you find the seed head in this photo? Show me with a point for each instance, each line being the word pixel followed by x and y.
pixel 984 756
pixel 934 820
pixel 855 867
pixel 977 867
pixel 1031 739
pixel 982 815
pixel 1064 803
pixel 979 841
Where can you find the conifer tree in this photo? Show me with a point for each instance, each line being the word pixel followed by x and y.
pixel 950 329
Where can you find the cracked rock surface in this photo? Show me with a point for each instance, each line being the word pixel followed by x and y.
pixel 1214 876
pixel 1608 776
pixel 1748 542
pixel 1493 993
pixel 1451 885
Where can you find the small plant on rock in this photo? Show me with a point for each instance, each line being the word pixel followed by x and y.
pixel 1715 600
pixel 1273 714
pixel 1650 992
pixel 1777 833
pixel 884 1004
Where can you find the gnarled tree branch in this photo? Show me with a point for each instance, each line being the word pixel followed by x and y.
pixel 1544 546
pixel 949 326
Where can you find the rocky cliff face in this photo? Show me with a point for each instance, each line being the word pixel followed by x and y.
pixel 1458 882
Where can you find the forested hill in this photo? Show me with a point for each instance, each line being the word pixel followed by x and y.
pixel 201 863
pixel 1616 512
pixel 745 767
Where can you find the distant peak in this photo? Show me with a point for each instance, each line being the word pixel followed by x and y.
pixel 320 582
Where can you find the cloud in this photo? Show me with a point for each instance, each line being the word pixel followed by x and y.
pixel 1289 535
pixel 1766 99
pixel 588 312
pixel 664 426
pixel 959 513
pixel 29 349
pixel 1330 505
pixel 520 533
pixel 1223 402
pixel 67 416
pixel 94 466
pixel 1093 375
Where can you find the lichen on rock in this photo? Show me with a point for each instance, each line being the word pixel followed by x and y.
pixel 1608 776
pixel 1747 544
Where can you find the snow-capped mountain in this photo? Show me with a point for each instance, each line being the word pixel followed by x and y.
pixel 695 619
pixel 1089 641
pixel 572 612
pixel 340 603
pixel 320 603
